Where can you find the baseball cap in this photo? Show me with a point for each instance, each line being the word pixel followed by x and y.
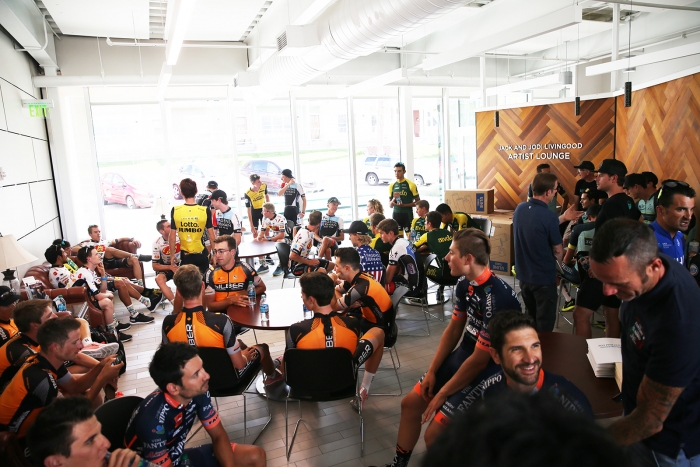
pixel 585 165
pixel 212 184
pixel 333 199
pixel 612 167
pixel 7 296
pixel 357 227
pixel 287 173
pixel 218 194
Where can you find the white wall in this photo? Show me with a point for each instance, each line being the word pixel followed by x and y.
pixel 28 207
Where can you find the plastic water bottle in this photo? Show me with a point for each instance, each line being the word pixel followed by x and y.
pixel 264 309
pixel 413 236
pixel 308 314
pixel 251 294
pixel 60 303
pixel 141 463
pixel 299 219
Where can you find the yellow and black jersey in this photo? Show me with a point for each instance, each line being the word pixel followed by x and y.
pixel 418 226
pixel 191 221
pixel 7 330
pixel 201 328
pixel 460 221
pixel 13 355
pixel 235 281
pixel 325 331
pixel 255 199
pixel 371 298
pixel 31 389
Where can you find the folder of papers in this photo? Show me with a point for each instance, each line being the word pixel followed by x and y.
pixel 603 354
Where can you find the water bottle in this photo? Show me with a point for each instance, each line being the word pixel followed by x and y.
pixel 141 463
pixel 413 235
pixel 308 314
pixel 60 303
pixel 299 219
pixel 251 294
pixel 264 309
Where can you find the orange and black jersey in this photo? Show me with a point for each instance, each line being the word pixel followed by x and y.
pixel 13 355
pixel 7 330
pixel 201 328
pixel 323 331
pixel 32 389
pixel 373 299
pixel 231 282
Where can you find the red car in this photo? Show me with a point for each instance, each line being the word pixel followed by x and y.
pixel 116 189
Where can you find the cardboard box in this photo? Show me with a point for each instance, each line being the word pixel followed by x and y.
pixel 470 201
pixel 502 251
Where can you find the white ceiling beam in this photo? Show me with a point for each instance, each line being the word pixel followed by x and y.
pixel 646 59
pixel 524 84
pixel 552 22
pixel 375 82
pixel 27 26
pixel 176 29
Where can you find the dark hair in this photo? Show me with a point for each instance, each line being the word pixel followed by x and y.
pixel 315 218
pixel 443 209
pixel 543 182
pixel 228 239
pixel 90 227
pixel 666 193
pixel 254 178
pixel 635 179
pixel 512 427
pixel 168 362
pixel 376 218
pixel 400 164
pixel 473 242
pixel 651 177
pixel 541 167
pixel 593 195
pixel 28 312
pixel 389 225
pixel 188 281
pixel 160 224
pixel 434 218
pixel 84 253
pixel 188 188
pixel 52 431
pixel 505 321
pixel 594 210
pixel 633 239
pixel 53 252
pixel 424 204
pixel 319 286
pixel 55 331
pixel 348 257
pixel 61 242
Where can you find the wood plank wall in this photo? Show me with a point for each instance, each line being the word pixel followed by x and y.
pixel 544 124
pixel 661 131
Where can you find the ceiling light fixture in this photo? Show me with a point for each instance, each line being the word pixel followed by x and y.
pixel 628 83
pixel 180 19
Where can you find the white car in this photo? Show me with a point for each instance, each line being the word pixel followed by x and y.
pixel 380 169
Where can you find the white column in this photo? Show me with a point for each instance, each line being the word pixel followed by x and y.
pixel 352 157
pixel 482 80
pixel 231 117
pixel 93 155
pixel 615 46
pixel 406 128
pixel 165 203
pixel 447 163
pixel 295 137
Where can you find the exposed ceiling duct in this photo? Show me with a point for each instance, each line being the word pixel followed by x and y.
pixel 351 29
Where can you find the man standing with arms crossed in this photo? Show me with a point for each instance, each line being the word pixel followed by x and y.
pixel 403 196
pixel 293 194
pixel 660 345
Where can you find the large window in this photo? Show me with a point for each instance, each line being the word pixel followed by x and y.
pixel 463 143
pixel 427 144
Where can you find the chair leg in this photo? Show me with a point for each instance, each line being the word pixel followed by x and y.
pixel 393 362
pixel 269 418
pixel 286 427
pixel 397 356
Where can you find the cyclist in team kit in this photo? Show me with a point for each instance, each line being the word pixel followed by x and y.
pixel 294 195
pixel 403 196
pixel 273 228
pixel 163 263
pixel 330 234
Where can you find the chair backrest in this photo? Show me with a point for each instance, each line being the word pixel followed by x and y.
pixel 114 415
pixel 483 224
pixel 223 376
pixel 289 230
pixel 283 252
pixel 320 372
pixel 429 260
pixel 397 296
pixel 11 454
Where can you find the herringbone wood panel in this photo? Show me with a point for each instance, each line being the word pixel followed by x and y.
pixel 661 131
pixel 544 124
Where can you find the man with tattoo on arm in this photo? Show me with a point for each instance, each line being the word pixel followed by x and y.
pixel 660 345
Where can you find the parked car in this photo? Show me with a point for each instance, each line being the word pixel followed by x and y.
pixel 380 169
pixel 202 173
pixel 271 175
pixel 116 189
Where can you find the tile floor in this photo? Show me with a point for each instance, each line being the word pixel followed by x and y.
pixel 331 433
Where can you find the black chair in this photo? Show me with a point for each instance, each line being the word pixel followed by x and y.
pixel 114 415
pixel 389 344
pixel 337 380
pixel 446 280
pixel 289 231
pixel 283 252
pixel 483 224
pixel 225 381
pixel 396 299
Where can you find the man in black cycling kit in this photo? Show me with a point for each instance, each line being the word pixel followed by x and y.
pixel 293 194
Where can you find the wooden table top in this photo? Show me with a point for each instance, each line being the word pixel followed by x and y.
pixel 286 308
pixel 254 249
pixel 565 355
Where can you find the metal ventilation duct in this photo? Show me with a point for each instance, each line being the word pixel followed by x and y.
pixel 351 29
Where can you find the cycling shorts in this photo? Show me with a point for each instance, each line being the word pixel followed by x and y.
pixel 300 269
pixel 203 456
pixel 447 370
pixel 290 213
pixel 114 263
pixel 198 259
pixel 168 274
pixel 461 401
pixel 590 295
pixel 256 217
pixel 404 219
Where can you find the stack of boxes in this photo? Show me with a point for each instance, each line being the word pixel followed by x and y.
pixel 480 204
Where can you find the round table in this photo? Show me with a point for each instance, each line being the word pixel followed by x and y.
pixel 251 250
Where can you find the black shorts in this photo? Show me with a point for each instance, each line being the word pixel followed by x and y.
pixel 590 295
pixel 461 401
pixel 290 213
pixel 404 219
pixel 168 274
pixel 114 263
pixel 299 269
pixel 333 248
pixel 256 217
pixel 447 370
pixel 198 259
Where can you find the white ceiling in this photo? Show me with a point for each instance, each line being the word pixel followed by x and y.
pixel 222 20
pixel 560 37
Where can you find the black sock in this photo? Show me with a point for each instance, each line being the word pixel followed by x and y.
pixel 402 457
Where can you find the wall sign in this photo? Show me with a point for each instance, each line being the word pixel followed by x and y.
pixel 540 151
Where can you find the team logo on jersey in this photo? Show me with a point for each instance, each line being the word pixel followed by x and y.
pixel 694 269
pixel 636 334
pixel 178 420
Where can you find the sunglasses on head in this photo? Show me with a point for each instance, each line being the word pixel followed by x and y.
pixel 671 184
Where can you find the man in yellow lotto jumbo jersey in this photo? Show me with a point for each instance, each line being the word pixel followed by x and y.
pixel 188 222
pixel 454 222
pixel 254 199
pixel 403 196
